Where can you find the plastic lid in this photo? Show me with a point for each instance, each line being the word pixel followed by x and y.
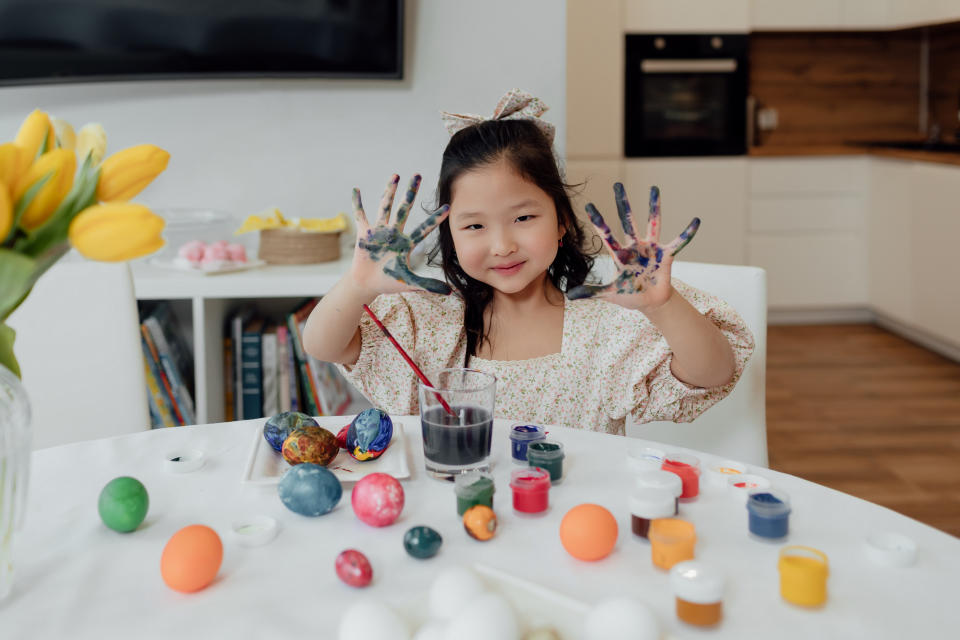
pixel 697 582
pixel 183 460
pixel 530 479
pixel 255 531
pixel 740 486
pixel 891 549
pixel 660 479
pixel 545 450
pixel 717 474
pixel 641 459
pixel 473 483
pixel 652 503
pixel 768 502
pixel 527 432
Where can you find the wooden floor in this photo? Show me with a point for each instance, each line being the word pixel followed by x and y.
pixel 866 412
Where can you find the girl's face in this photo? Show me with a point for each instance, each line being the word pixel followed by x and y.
pixel 504 228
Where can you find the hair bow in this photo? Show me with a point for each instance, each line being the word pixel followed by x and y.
pixel 514 105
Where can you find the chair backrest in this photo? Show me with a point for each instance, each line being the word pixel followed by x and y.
pixel 736 427
pixel 78 345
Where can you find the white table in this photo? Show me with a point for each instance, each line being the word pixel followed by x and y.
pixel 78 579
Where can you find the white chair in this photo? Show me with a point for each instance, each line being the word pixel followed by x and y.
pixel 736 427
pixel 78 345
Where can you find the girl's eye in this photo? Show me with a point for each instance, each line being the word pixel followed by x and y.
pixel 524 218
pixel 473 227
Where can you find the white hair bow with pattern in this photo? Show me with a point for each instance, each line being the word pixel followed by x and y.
pixel 514 105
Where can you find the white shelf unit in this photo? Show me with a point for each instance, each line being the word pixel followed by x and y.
pixel 202 304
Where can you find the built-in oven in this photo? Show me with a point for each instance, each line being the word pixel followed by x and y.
pixel 686 95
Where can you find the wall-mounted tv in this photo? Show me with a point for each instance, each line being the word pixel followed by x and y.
pixel 47 41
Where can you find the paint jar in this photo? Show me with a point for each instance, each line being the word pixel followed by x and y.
pixel 640 459
pixel 803 575
pixel 660 479
pixel 699 592
pixel 547 454
pixel 647 505
pixel 718 475
pixel 473 488
pixel 688 468
pixel 739 487
pixel 531 489
pixel 769 511
pixel 522 435
pixel 671 541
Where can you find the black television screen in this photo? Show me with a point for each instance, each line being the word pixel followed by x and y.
pixel 43 41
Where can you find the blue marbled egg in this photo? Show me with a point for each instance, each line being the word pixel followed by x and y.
pixel 369 434
pixel 309 489
pixel 278 427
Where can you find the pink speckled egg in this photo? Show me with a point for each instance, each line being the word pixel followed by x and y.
pixel 237 252
pixel 377 499
pixel 192 251
pixel 354 568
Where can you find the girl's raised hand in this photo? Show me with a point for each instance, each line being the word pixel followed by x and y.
pixel 643 265
pixel 381 262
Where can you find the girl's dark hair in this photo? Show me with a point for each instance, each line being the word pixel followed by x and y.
pixel 530 154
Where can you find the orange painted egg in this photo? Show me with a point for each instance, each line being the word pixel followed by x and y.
pixel 588 532
pixel 480 522
pixel 191 559
pixel 310 444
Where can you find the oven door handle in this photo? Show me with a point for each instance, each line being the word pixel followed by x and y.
pixel 713 65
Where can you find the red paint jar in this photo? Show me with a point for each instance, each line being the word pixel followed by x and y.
pixel 531 489
pixel 688 468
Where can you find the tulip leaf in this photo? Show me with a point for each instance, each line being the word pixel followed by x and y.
pixel 16 279
pixel 7 359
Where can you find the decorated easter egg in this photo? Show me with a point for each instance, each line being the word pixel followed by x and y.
pixel 310 444
pixel 369 434
pixel 309 489
pixel 278 427
pixel 480 522
pixel 354 568
pixel 377 499
pixel 342 437
pixel 123 504
pixel 588 532
pixel 191 558
pixel 422 542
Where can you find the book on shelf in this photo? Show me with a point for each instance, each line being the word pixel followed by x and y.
pixel 236 324
pixel 309 396
pixel 157 399
pixel 180 395
pixel 268 365
pixel 160 374
pixel 179 350
pixel 228 379
pixel 296 401
pixel 330 392
pixel 283 371
pixel 251 365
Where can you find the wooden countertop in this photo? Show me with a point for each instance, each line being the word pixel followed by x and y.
pixel 937 157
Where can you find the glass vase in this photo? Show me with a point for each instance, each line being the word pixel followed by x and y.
pixel 14 469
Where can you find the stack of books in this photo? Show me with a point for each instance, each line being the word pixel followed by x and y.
pixel 168 364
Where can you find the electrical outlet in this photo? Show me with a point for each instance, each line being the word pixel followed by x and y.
pixel 767 119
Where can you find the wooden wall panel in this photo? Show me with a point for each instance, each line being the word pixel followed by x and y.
pixel 945 79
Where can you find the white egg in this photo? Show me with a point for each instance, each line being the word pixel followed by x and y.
pixel 487 616
pixel 452 590
pixel 621 619
pixel 370 618
pixel 432 630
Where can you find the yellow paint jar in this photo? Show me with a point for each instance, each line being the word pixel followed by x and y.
pixel 803 575
pixel 671 541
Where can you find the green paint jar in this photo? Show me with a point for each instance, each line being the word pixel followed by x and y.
pixel 548 455
pixel 473 488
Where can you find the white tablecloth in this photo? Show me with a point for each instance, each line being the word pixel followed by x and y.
pixel 77 579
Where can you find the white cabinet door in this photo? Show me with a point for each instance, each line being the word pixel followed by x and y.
pixel 687 16
pixel 866 14
pixel 713 189
pixel 889 232
pixel 773 15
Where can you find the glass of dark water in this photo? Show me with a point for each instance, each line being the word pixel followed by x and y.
pixel 457 441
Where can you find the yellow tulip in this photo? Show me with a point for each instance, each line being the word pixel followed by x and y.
pixel 10 165
pixel 91 140
pixel 61 165
pixel 116 231
pixel 6 212
pixel 33 134
pixel 66 138
pixel 126 173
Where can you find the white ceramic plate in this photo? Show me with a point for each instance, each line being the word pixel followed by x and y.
pixel 266 466
pixel 232 268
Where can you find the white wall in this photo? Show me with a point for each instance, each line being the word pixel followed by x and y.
pixel 301 145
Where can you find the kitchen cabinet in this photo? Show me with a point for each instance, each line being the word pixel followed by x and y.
pixel 889 244
pixel 786 15
pixel 789 15
pixel 687 16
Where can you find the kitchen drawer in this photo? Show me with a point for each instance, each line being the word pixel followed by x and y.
pixel 808 175
pixel 806 212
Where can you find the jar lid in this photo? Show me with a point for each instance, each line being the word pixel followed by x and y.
pixel 659 479
pixel 472 483
pixel 719 473
pixel 679 459
pixel 183 460
pixel 891 549
pixel 641 459
pixel 526 432
pixel 768 502
pixel 652 503
pixel 697 582
pixel 740 486
pixel 530 479
pixel 255 531
pixel 545 450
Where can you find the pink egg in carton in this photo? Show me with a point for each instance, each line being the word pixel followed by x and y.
pixel 197 254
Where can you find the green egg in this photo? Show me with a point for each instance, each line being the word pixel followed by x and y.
pixel 422 542
pixel 123 504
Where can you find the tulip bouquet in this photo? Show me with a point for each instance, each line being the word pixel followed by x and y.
pixel 48 206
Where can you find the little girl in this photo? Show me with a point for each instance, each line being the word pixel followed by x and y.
pixel 563 352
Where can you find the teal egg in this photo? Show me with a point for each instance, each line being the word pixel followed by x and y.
pixel 278 427
pixel 422 542
pixel 123 504
pixel 309 489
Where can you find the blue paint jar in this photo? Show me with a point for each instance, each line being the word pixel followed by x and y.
pixel 769 511
pixel 522 435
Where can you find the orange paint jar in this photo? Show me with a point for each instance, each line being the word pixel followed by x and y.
pixel 803 575
pixel 671 541
pixel 699 592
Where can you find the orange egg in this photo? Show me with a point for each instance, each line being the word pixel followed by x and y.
pixel 191 559
pixel 588 532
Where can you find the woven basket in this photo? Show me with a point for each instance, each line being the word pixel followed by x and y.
pixel 290 246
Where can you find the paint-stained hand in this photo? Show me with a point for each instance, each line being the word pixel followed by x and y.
pixel 643 264
pixel 381 262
